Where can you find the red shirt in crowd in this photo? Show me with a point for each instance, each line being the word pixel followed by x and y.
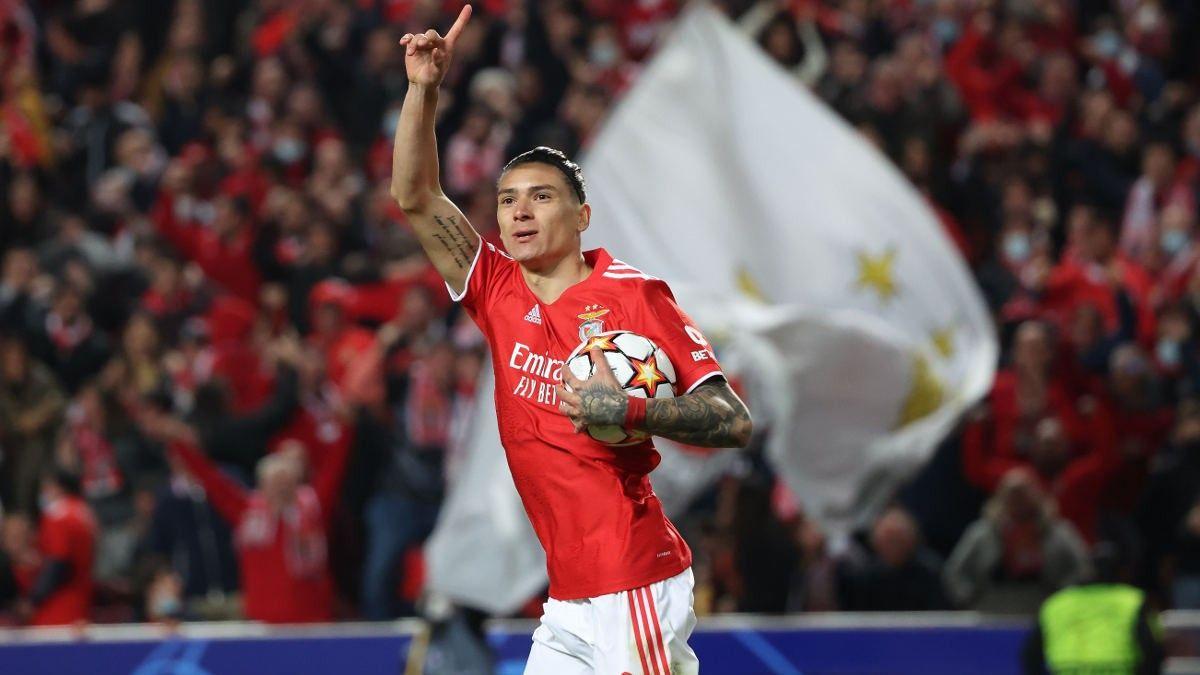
pixel 325 438
pixel 229 263
pixel 591 505
pixel 68 533
pixel 1074 284
pixel 283 558
pixel 1000 442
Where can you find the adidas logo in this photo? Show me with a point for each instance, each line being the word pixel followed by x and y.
pixel 534 315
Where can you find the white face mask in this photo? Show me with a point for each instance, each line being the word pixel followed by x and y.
pixel 1168 352
pixel 289 150
pixel 1016 247
pixel 1173 241
pixel 603 53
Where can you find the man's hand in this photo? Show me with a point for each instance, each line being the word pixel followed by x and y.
pixel 158 426
pixel 598 400
pixel 427 57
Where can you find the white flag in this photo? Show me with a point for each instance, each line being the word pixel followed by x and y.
pixel 803 253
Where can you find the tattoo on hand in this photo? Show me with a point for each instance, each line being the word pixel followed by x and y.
pixel 602 403
pixel 711 416
pixel 455 240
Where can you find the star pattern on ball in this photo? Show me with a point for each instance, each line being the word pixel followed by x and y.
pixel 646 375
pixel 602 342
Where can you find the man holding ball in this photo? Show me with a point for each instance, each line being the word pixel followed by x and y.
pixel 620 574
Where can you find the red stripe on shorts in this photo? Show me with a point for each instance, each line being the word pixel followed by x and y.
pixel 645 616
pixel 662 648
pixel 637 632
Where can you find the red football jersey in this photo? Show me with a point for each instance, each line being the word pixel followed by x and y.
pixel 68 532
pixel 590 504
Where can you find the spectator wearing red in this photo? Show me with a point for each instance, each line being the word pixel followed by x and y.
pixel 1128 425
pixel 981 64
pixel 320 424
pixel 236 358
pixel 62 592
pixel 1001 437
pixel 1091 272
pixel 224 248
pixel 280 532
pixel 334 332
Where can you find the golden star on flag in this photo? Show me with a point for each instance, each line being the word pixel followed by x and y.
pixel 875 273
pixel 943 341
pixel 646 375
pixel 748 286
pixel 926 393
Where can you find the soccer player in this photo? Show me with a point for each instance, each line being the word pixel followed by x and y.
pixel 620 574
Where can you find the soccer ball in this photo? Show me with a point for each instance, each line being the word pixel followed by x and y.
pixel 641 368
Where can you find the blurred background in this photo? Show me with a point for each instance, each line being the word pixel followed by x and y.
pixel 200 253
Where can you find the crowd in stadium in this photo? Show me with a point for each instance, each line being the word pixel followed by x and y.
pixel 230 384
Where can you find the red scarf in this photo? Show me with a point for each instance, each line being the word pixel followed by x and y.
pixel 1022 551
pixel 427 410
pixel 101 475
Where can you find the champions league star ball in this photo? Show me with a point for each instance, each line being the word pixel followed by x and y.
pixel 641 368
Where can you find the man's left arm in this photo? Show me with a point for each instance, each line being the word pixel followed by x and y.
pixel 711 415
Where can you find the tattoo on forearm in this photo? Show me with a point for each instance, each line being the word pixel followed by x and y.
pixel 455 240
pixel 711 416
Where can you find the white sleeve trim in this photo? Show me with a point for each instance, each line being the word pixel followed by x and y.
pixel 457 297
pixel 704 379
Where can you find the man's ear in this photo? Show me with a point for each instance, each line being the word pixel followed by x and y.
pixel 585 217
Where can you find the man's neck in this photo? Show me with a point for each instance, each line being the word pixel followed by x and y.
pixel 549 283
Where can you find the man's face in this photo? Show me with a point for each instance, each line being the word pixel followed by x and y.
pixel 14 363
pixel 1031 349
pixel 894 539
pixel 328 319
pixel 279 479
pixel 540 217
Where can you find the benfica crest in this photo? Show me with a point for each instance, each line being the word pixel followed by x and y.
pixel 592 324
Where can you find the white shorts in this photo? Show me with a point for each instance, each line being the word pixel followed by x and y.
pixel 643 631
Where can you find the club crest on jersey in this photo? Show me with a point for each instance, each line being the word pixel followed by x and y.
pixel 592 325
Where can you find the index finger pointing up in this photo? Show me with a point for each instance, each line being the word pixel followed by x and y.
pixel 463 17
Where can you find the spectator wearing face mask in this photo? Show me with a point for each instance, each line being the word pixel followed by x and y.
pixel 1157 188
pixel 1175 260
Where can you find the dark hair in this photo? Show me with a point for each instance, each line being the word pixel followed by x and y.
pixel 555 158
pixel 67 480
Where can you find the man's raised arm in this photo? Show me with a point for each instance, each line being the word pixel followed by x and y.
pixel 444 233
